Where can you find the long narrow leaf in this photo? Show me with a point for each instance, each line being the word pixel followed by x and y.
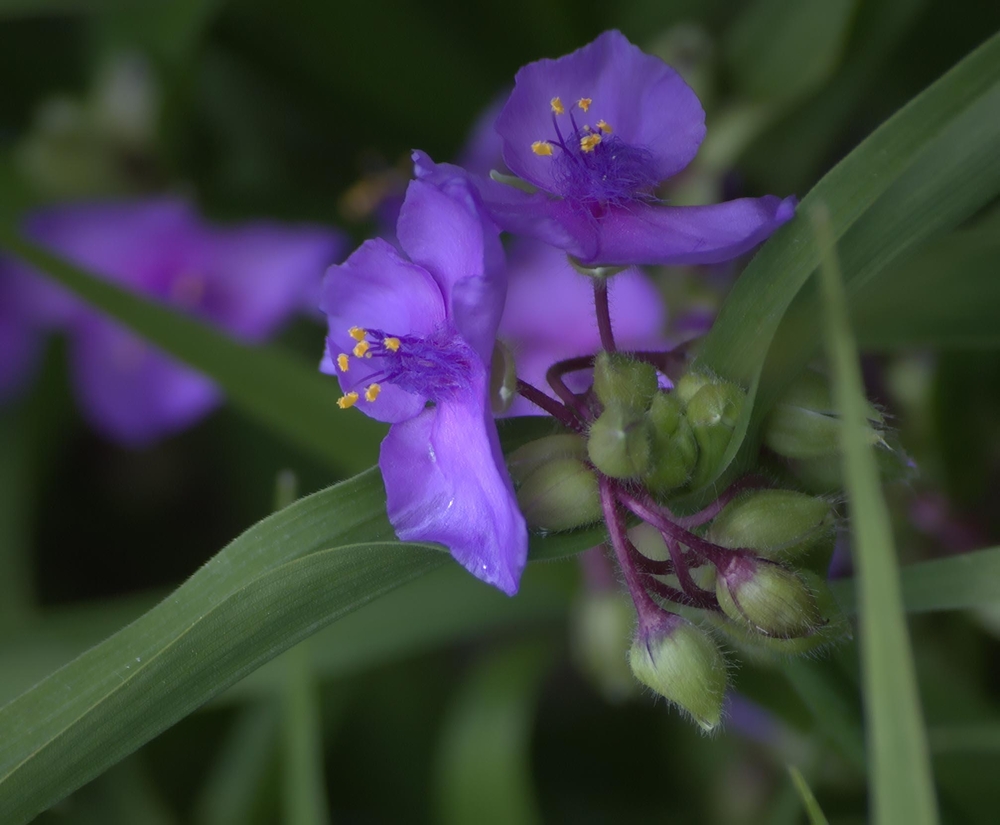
pixel 270 588
pixel 902 786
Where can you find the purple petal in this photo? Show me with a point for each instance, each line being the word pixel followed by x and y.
pixel 536 215
pixel 446 482
pixel 646 103
pixel 548 300
pixel 376 289
pixel 444 227
pixel 260 274
pixel 141 244
pixel 132 392
pixel 674 235
pixel 20 347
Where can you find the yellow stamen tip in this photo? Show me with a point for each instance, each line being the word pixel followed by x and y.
pixel 557 106
pixel 348 400
pixel 584 103
pixel 372 392
pixel 342 362
pixel 357 333
pixel 361 348
pixel 542 147
pixel 604 126
pixel 391 344
pixel 589 143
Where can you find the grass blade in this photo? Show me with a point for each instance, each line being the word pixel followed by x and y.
pixel 902 786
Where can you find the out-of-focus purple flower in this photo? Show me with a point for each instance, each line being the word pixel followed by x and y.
pixel 246 280
pixel 549 315
pixel 20 338
pixel 597 131
pixel 411 342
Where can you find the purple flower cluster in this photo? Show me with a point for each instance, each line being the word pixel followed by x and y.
pixel 411 339
pixel 246 280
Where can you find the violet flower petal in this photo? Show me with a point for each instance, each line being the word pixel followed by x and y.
pixel 131 392
pixel 647 104
pixel 458 261
pixel 446 482
pixel 375 288
pixel 674 235
pixel 262 273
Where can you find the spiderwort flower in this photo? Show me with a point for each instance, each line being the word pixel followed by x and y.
pixel 597 131
pixel 245 280
pixel 411 342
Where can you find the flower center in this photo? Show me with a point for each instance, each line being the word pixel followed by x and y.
pixel 436 366
pixel 592 164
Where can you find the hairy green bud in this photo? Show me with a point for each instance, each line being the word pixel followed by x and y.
pixel 619 443
pixel 687 387
pixel 623 383
pixel 684 665
pixel 560 494
pixel 835 626
pixel 773 522
pixel 768 597
pixel 712 413
pixel 529 457
pixel 675 451
pixel 804 423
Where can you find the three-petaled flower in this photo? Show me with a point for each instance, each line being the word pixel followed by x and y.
pixel 411 342
pixel 597 131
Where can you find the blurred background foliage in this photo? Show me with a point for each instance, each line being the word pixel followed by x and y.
pixel 280 110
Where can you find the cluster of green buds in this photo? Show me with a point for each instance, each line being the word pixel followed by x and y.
pixel 666 440
pixel 746 571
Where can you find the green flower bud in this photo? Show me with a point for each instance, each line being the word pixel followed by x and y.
pixel 619 443
pixel 681 662
pixel 503 379
pixel 773 522
pixel 529 457
pixel 768 597
pixel 675 451
pixel 689 384
pixel 805 424
pixel 560 495
pixel 835 627
pixel 602 624
pixel 712 413
pixel 622 382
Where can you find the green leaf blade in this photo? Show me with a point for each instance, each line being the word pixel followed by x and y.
pixel 902 784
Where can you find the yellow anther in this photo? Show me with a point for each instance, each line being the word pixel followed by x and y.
pixel 372 392
pixel 342 362
pixel 357 333
pixel 589 142
pixel 361 348
pixel 604 126
pixel 584 103
pixel 542 147
pixel 557 106
pixel 348 400
pixel 391 344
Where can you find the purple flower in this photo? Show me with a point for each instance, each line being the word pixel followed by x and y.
pixel 549 315
pixel 20 338
pixel 597 131
pixel 411 343
pixel 245 280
